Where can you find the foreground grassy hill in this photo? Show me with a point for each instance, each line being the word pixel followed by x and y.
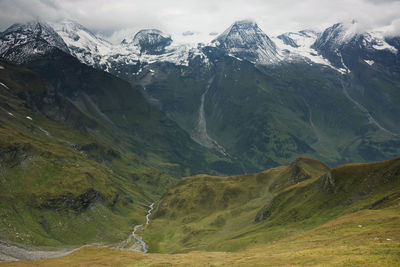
pixel 232 213
pixel 349 216
pixel 208 212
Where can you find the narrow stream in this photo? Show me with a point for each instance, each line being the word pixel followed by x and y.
pixel 134 241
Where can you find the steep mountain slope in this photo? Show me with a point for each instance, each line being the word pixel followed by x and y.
pixel 266 116
pixel 232 213
pixel 372 61
pixel 132 123
pixel 62 186
pixel 82 152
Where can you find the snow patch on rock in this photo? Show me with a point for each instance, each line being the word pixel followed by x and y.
pixel 369 62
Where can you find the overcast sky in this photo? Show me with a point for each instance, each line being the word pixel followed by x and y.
pixel 119 18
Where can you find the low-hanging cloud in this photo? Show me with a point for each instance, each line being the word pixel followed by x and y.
pixel 120 18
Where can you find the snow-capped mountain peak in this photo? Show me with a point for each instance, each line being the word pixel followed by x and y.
pixel 340 46
pixel 83 44
pixel 151 41
pixel 339 41
pixel 244 39
pixel 22 41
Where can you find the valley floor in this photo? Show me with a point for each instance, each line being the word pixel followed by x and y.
pixel 363 238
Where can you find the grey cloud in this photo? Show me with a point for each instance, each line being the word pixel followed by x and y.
pixel 51 3
pixel 378 2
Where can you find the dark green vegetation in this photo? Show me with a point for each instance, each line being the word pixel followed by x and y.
pixel 82 153
pixel 232 213
pixel 265 116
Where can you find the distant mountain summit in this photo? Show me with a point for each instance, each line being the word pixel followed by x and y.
pixel 151 41
pixel 341 47
pixel 344 44
pixel 20 42
pixel 245 40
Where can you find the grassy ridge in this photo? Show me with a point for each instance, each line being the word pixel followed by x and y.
pixel 204 212
pixel 232 213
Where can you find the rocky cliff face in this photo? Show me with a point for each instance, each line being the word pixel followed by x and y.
pixel 245 40
pixel 21 42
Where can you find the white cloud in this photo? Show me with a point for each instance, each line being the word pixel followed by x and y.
pixel 119 18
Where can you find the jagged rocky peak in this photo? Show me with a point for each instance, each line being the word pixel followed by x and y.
pixel 151 41
pixel 19 34
pixel 22 42
pixel 245 40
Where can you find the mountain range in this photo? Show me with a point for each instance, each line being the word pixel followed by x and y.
pixel 93 132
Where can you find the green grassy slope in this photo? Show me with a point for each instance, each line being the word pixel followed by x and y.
pixel 203 212
pixel 232 213
pixel 61 185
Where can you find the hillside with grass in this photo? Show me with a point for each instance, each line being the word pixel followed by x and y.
pixel 61 185
pixel 233 213
pixel 300 214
